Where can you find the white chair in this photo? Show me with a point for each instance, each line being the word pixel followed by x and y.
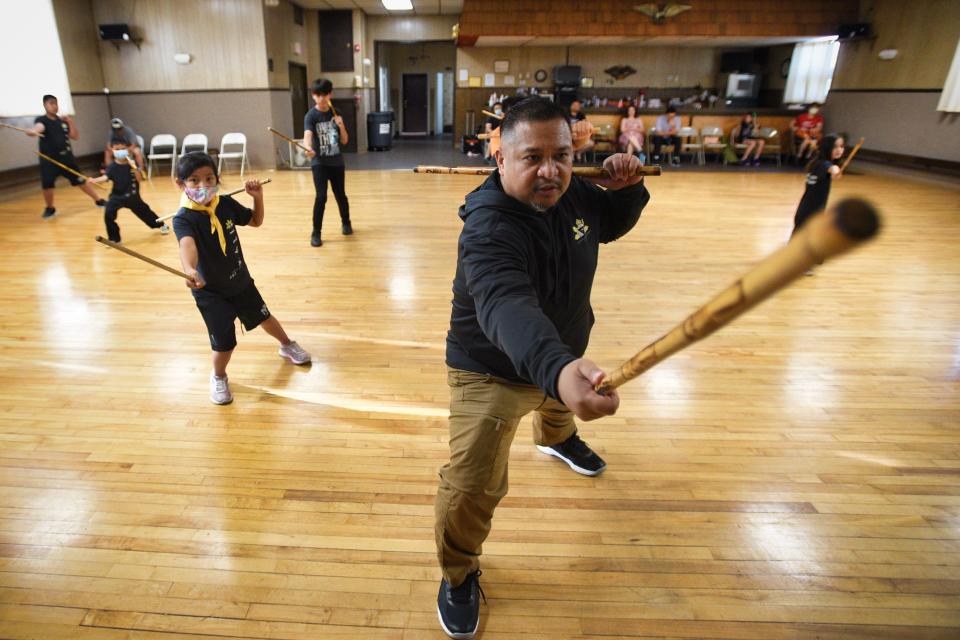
pixel 712 147
pixel 157 143
pixel 193 142
pixel 234 139
pixel 688 134
pixel 772 137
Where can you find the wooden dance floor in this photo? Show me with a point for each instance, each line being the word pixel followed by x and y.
pixel 795 476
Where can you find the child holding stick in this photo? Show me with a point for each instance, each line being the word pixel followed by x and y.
pixel 206 229
pixel 126 176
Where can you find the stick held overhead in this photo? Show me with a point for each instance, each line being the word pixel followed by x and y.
pixel 824 236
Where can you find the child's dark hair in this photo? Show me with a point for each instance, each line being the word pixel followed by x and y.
pixel 48 97
pixel 115 141
pixel 531 110
pixel 671 109
pixel 193 161
pixel 825 150
pixel 321 87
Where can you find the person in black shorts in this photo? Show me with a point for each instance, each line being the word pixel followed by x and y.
pixel 57 133
pixel 821 169
pixel 324 133
pixel 125 175
pixel 206 228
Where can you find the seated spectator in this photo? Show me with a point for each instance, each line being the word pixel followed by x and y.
pixel 807 130
pixel 747 134
pixel 631 131
pixel 119 131
pixel 665 132
pixel 582 130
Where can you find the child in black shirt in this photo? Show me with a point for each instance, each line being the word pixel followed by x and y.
pixel 820 170
pixel 324 134
pixel 206 228
pixel 57 133
pixel 125 175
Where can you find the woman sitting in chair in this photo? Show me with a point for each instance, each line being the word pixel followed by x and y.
pixel 747 134
pixel 631 131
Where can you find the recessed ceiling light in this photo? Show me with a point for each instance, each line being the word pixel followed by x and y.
pixel 397 5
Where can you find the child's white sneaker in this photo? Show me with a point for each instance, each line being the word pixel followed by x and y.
pixel 294 353
pixel 220 390
pixel 165 229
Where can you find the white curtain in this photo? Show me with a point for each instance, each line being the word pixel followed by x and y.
pixel 811 71
pixel 950 98
pixel 33 61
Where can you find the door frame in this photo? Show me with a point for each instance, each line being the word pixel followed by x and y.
pixel 426 104
pixel 298 126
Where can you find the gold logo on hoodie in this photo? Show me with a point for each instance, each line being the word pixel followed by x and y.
pixel 580 229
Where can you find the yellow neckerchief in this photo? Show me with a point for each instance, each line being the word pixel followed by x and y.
pixel 211 210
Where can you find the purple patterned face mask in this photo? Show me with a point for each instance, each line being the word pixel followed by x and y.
pixel 201 195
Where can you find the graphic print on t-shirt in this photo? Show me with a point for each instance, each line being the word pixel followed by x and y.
pixel 328 138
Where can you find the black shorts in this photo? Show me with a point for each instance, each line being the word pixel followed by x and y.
pixel 219 313
pixel 50 171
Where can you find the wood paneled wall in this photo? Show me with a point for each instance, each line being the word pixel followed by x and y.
pixel 925 32
pixel 79 40
pixel 226 40
pixel 616 18
pixel 282 34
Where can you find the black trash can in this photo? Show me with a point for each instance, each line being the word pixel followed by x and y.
pixel 379 130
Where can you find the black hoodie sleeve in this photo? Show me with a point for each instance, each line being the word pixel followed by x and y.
pixel 508 309
pixel 617 211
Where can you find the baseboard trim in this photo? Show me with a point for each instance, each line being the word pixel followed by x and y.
pixel 945 167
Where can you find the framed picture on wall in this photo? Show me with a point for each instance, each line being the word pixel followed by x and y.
pixel 501 66
pixel 586 83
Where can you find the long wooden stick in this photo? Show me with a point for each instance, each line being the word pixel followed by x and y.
pixel 10 126
pixel 583 172
pixel 288 139
pixel 232 193
pixel 130 252
pixel 492 115
pixel 66 168
pixel 824 236
pixel 843 167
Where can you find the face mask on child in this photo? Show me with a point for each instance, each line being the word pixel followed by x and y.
pixel 120 154
pixel 498 111
pixel 201 195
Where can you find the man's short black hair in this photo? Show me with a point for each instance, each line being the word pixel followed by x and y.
pixel 193 161
pixel 321 87
pixel 115 141
pixel 531 110
pixel 49 97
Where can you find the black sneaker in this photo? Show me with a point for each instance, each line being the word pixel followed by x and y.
pixel 101 202
pixel 315 240
pixel 577 454
pixel 347 229
pixel 459 607
pixel 48 213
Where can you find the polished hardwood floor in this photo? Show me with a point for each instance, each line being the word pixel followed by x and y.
pixel 795 476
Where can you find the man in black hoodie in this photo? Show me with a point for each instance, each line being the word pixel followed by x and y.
pixel 520 324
